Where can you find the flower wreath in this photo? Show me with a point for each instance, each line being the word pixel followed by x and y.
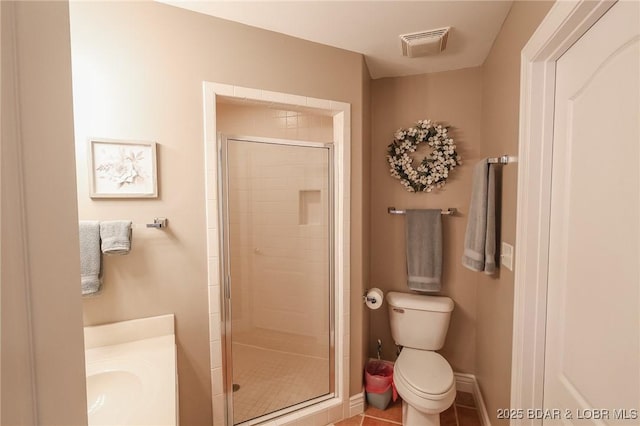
pixel 434 168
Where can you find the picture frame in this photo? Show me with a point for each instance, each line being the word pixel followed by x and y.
pixel 122 169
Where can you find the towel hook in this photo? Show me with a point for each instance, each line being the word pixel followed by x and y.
pixel 158 223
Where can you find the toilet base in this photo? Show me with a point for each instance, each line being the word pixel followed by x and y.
pixel 413 417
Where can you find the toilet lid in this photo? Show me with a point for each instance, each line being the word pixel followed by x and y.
pixel 426 371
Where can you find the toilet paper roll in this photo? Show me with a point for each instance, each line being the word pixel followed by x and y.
pixel 374 298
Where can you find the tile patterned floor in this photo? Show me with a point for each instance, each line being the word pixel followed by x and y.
pixel 271 380
pixel 462 413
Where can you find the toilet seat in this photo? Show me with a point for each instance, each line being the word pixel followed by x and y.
pixel 426 374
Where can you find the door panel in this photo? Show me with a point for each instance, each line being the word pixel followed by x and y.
pixel 280 293
pixel 593 322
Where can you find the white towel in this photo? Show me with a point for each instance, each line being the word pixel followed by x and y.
pixel 90 256
pixel 424 250
pixel 116 236
pixel 480 237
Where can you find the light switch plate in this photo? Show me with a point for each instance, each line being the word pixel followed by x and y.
pixel 506 255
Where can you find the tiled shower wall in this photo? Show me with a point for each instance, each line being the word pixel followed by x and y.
pixel 282 236
pixel 251 120
pixel 278 237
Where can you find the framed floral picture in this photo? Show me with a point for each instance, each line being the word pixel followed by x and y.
pixel 122 169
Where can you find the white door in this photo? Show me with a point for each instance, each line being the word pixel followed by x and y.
pixel 592 359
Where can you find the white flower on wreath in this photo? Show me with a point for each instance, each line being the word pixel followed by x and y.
pixel 434 169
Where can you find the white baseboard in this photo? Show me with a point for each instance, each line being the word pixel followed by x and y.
pixel 468 383
pixel 356 404
pixel 465 382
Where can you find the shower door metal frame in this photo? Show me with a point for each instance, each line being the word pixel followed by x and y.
pixel 225 271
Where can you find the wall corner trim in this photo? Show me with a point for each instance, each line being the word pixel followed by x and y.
pixel 468 383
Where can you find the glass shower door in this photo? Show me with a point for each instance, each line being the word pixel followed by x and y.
pixel 278 258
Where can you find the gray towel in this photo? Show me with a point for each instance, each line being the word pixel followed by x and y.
pixel 89 256
pixel 480 238
pixel 116 236
pixel 424 250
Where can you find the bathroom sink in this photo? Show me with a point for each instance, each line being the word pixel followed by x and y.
pixel 131 373
pixel 109 396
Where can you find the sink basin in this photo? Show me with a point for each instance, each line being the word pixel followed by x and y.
pixel 131 373
pixel 109 396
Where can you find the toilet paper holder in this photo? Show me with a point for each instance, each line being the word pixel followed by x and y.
pixel 373 298
pixel 366 298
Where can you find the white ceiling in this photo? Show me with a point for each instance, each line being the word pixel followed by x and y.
pixel 372 27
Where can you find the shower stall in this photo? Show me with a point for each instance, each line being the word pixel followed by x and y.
pixel 278 272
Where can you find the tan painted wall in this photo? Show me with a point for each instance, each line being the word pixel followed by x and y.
pixel 40 263
pixel 360 355
pixel 138 71
pixel 15 368
pixel 452 98
pixel 500 105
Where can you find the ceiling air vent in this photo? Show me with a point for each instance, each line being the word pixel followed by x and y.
pixel 424 43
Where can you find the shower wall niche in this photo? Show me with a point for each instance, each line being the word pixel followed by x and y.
pixel 310 212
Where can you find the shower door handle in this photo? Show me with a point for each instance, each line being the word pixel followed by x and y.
pixel 227 287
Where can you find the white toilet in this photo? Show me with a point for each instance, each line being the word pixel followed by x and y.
pixel 423 378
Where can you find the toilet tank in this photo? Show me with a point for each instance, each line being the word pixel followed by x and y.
pixel 418 321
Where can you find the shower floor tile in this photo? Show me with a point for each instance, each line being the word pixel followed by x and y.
pixel 271 380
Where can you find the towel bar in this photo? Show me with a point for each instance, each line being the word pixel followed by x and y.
pixel 450 211
pixel 503 159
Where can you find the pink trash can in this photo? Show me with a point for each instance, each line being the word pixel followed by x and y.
pixel 378 382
